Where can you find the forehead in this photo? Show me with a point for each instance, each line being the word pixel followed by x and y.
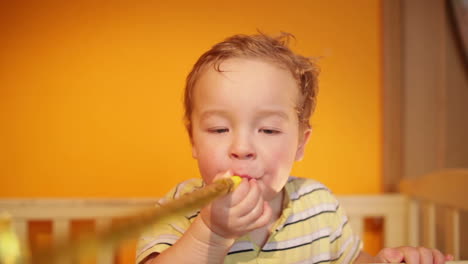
pixel 244 79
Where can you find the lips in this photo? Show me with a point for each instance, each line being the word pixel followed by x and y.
pixel 246 177
pixel 243 175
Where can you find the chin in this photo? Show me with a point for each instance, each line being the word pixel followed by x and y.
pixel 269 194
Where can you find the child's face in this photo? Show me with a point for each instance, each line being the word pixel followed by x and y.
pixel 244 120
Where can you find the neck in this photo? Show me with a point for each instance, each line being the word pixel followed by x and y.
pixel 276 205
pixel 260 236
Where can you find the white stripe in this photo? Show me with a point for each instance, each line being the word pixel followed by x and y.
pixel 178 228
pixel 338 232
pixel 291 178
pixel 241 245
pixel 180 188
pixel 297 241
pixel 350 255
pixel 316 258
pixel 327 256
pixel 311 211
pixel 306 189
pixel 170 239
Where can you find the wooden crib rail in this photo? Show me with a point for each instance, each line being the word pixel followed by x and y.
pixel 446 187
pixel 438 196
pixel 402 214
pixel 61 212
pixel 392 208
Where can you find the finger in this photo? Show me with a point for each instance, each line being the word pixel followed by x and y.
pixel 391 255
pixel 411 255
pixel 249 201
pixel 449 257
pixel 254 213
pixel 425 255
pixel 264 218
pixel 224 204
pixel 238 194
pixel 439 258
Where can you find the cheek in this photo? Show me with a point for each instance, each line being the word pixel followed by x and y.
pixel 210 162
pixel 280 161
pixel 283 154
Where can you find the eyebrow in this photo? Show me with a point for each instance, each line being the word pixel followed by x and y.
pixel 209 113
pixel 261 114
pixel 269 112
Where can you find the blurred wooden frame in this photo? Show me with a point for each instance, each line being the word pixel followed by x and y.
pixel 424 91
pixel 409 218
pixel 392 95
pixel 445 189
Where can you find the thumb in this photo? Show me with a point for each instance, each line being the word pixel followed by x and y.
pixel 390 255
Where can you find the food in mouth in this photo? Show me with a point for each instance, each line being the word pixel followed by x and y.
pixel 246 177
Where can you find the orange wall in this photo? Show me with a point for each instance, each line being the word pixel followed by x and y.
pixel 90 93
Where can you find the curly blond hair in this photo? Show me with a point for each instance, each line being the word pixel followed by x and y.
pixel 260 46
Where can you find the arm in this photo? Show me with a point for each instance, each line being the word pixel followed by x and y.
pixel 197 245
pixel 213 232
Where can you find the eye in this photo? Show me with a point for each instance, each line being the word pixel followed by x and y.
pixel 269 131
pixel 218 130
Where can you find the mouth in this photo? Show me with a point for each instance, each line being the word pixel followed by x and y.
pixel 244 176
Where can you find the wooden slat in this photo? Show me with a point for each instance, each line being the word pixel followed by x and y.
pixel 394 230
pixel 428 225
pixel 106 254
pixel 20 227
pixel 452 232
pixel 61 230
pixel 357 224
pixel 413 223
pixel 61 233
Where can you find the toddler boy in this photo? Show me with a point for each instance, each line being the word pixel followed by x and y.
pixel 248 101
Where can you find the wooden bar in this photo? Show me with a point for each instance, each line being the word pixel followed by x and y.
pixel 106 253
pixel 452 232
pixel 394 230
pixel 357 224
pixel 20 227
pixel 61 233
pixel 428 225
pixel 413 223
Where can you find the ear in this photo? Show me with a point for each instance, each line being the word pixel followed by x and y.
pixel 302 144
pixel 194 149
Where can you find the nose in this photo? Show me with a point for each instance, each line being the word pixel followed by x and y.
pixel 242 148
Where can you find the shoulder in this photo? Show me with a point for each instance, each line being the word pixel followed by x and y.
pixel 307 189
pixel 181 189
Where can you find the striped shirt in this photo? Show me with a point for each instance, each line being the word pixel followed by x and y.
pixel 312 228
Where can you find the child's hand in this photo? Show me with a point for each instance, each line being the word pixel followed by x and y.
pixel 239 212
pixel 412 255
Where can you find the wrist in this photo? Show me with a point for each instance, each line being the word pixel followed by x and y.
pixel 200 231
pixel 365 257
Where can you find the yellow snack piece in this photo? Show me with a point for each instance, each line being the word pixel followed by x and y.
pixel 237 180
